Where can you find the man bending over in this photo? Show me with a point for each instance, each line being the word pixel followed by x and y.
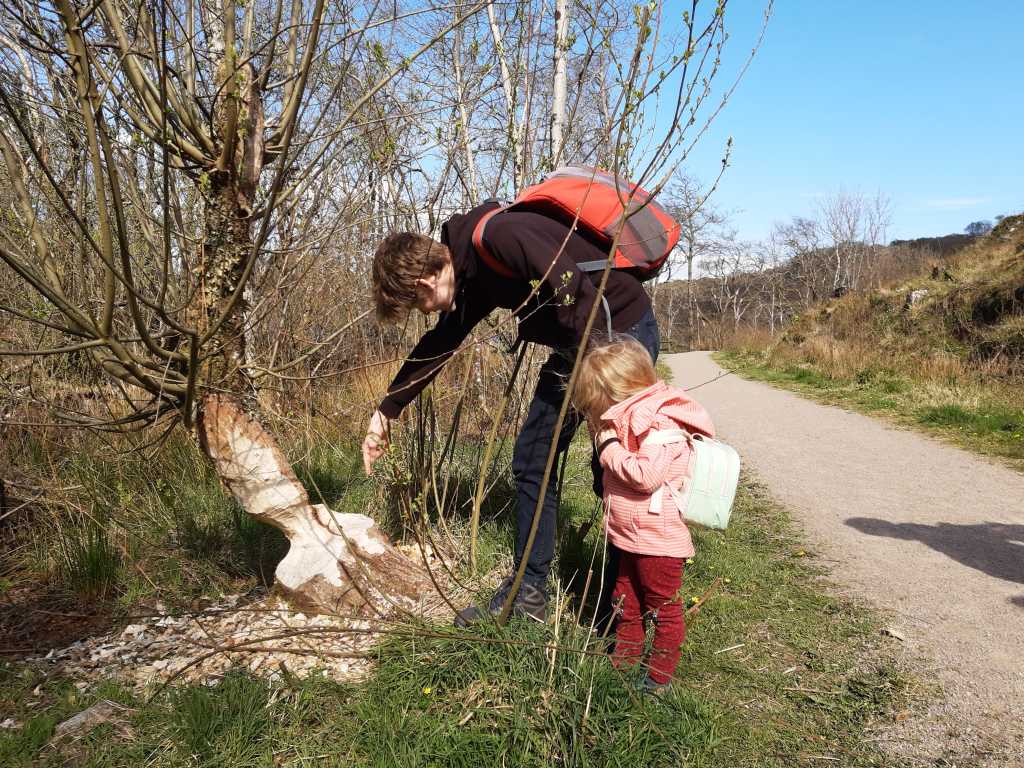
pixel 449 277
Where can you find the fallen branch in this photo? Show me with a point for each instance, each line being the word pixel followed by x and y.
pixel 694 609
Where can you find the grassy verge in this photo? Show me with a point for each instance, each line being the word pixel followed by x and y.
pixel 777 671
pixel 942 352
pixel 128 528
pixel 982 417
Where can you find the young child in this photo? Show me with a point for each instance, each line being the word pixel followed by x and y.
pixel 626 405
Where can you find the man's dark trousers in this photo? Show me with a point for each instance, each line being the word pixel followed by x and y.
pixel 531 453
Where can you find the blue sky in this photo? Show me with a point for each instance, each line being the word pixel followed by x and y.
pixel 918 99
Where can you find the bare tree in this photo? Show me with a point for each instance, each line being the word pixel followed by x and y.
pixel 853 226
pixel 188 175
pixel 702 237
pixel 558 86
pixel 776 301
pixel 167 159
pixel 800 242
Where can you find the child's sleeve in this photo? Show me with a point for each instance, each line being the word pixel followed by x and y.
pixel 644 471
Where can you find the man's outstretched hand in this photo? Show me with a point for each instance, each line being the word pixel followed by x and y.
pixel 376 440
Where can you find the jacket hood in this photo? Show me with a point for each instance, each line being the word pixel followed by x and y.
pixel 637 414
pixel 457 234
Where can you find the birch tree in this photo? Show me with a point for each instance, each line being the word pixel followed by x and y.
pixel 559 85
pixel 702 237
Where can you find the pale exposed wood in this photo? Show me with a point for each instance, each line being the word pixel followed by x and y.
pixel 336 562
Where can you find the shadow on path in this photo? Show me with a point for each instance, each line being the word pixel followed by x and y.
pixel 996 549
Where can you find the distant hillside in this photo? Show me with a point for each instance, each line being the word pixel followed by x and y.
pixel 752 293
pixel 971 309
pixel 941 350
pixel 943 246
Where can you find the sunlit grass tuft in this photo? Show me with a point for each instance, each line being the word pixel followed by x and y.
pixel 88 562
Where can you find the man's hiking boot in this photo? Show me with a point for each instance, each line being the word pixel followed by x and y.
pixel 532 602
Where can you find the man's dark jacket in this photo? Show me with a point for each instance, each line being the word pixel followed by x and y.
pixel 526 243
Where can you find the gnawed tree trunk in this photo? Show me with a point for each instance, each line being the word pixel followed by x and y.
pixel 337 563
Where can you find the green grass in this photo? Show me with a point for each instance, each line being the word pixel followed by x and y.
pixel 224 726
pixel 150 527
pixel 777 671
pixel 89 563
pixel 136 528
pixel 471 703
pixel 972 417
pixel 991 420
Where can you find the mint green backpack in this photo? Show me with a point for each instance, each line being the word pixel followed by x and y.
pixel 708 493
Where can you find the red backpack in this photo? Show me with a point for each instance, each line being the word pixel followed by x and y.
pixel 590 198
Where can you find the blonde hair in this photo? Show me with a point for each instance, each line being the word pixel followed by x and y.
pixel 610 373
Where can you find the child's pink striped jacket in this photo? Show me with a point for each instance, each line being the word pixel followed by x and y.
pixel 634 471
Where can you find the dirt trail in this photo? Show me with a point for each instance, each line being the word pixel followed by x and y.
pixel 927 531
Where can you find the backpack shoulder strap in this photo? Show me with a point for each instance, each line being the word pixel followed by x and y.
pixel 482 249
pixel 667 436
pixel 504 270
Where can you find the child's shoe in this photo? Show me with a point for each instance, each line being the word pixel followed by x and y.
pixel 651 687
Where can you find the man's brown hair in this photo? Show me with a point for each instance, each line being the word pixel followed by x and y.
pixel 402 259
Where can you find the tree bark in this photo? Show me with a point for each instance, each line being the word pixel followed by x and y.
pixel 559 84
pixel 337 563
pixel 514 131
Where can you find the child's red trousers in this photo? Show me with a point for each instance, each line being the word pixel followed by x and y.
pixel 648 588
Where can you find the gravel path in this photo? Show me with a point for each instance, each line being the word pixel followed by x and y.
pixel 930 533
